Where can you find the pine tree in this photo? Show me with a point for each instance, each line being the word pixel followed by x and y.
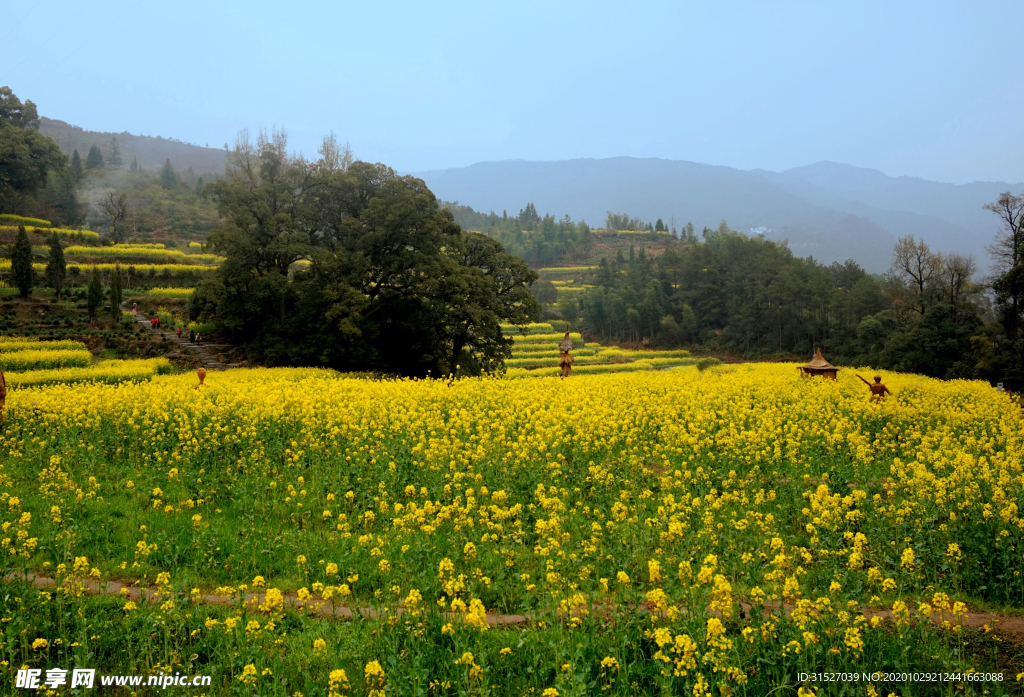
pixel 199 187
pixel 167 176
pixel 21 263
pixel 56 269
pixel 114 159
pixel 134 166
pixel 63 199
pixel 94 160
pixel 95 294
pixel 115 293
pixel 76 167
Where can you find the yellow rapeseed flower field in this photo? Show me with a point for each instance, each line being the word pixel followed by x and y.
pixel 112 371
pixel 662 532
pixel 17 343
pixel 46 230
pixel 41 357
pixel 141 250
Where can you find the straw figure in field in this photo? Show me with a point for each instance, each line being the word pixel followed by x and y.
pixel 564 359
pixel 878 390
pixel 201 372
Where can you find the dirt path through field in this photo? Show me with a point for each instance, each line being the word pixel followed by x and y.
pixel 1010 627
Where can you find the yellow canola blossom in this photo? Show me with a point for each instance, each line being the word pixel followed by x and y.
pixel 694 496
pixel 112 371
pixel 41 358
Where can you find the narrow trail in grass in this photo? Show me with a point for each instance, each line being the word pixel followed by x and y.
pixel 1009 626
pixel 252 601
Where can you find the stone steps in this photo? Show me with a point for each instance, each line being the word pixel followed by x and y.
pixel 207 359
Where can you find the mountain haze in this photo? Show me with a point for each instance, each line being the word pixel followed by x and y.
pixel 150 151
pixel 830 211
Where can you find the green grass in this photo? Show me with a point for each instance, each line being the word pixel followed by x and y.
pixel 280 474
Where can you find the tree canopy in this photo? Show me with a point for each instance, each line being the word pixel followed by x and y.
pixel 354 267
pixel 27 157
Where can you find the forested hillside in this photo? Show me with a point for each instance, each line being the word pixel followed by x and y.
pixel 149 152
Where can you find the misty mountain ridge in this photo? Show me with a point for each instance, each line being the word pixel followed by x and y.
pixel 150 151
pixel 827 210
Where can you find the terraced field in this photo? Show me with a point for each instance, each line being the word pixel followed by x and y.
pixel 28 363
pixel 536 354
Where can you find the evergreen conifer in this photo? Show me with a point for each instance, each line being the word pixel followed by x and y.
pixel 56 268
pixel 95 293
pixel 167 176
pixel 94 160
pixel 115 293
pixel 76 167
pixel 114 158
pixel 21 263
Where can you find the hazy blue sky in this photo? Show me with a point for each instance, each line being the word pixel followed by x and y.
pixel 932 89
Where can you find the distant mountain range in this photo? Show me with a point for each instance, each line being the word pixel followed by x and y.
pixel 151 152
pixel 827 210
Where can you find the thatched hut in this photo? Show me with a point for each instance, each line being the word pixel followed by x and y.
pixel 819 366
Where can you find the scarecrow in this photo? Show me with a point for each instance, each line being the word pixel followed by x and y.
pixel 878 390
pixel 564 359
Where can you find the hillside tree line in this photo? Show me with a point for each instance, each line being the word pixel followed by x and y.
pixel 751 296
pixel 540 240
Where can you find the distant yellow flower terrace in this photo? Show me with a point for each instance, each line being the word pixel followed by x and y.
pixel 141 251
pixel 62 232
pixel 172 269
pixel 112 371
pixel 9 344
pixel 35 358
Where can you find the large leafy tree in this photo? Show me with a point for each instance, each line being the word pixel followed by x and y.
pixel 1001 349
pixel 393 283
pixel 27 156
